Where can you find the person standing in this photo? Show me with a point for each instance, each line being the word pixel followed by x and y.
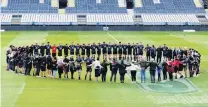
pixel 114 69
pixel 99 47
pixel 93 49
pixel 60 66
pixel 153 52
pixel 66 50
pixel 48 48
pixel 60 47
pixel 97 67
pixel 54 66
pixel 77 49
pixel 49 65
pixel 147 49
pixel 143 65
pixel 104 70
pixel 28 65
pixel 133 68
pixel 72 67
pixel 120 46
pixel 109 50
pixel 170 69
pixel 42 49
pixel 104 50
pixel 88 61
pixel 54 50
pixel 122 71
pixel 140 49
pixel 36 48
pixel 153 66
pixel 79 66
pixel 124 51
pixel 83 47
pixel 72 48
pixel 66 67
pixel 159 54
pixel 129 51
pixel 88 48
pixel 43 66
pixel 165 51
pixel 164 69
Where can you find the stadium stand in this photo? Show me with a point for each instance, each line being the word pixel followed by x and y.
pixel 103 12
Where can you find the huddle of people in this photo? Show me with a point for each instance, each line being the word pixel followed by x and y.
pixel 122 58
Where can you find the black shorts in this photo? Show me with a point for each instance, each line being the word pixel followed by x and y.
pixel 43 68
pixel 89 69
pixel 141 53
pixel 129 52
pixel 180 67
pixel 109 52
pixel 66 54
pixel 114 52
pixel 79 68
pixel 71 53
pixel 49 67
pixel 175 69
pixel 93 52
pixel 104 52
pixel 97 72
pixel 83 53
pixel 124 52
pixel 77 53
pixel 53 54
pixel 119 52
pixel 59 54
pixel 98 52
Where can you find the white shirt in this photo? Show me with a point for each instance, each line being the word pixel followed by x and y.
pixel 133 68
pixel 96 63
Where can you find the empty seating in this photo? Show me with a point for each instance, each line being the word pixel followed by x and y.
pixel 109 19
pixel 171 19
pixel 49 19
pixel 6 18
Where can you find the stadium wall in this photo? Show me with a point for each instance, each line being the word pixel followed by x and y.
pixel 101 28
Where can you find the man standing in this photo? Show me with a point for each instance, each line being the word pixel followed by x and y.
pixel 54 50
pixel 48 48
pixel 153 66
pixel 88 61
pixel 42 49
pixel 60 47
pixel 83 51
pixel 120 50
pixel 93 50
pixel 77 49
pixel 165 48
pixel 129 51
pixel 98 50
pixel 159 54
pixel 153 52
pixel 114 69
pixel 71 48
pixel 124 51
pixel 88 50
pixel 66 50
pixel 164 69
pixel 109 51
pixel 115 51
pixel 147 49
pixel 36 47
pixel 140 50
pixel 104 48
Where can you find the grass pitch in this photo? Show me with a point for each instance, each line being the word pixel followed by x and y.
pixel 22 91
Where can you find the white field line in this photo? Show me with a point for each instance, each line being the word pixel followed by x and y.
pixel 22 88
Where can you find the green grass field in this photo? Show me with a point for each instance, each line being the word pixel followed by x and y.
pixel 22 91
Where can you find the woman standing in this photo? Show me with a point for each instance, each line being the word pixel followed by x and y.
pixel 104 70
pixel 133 68
pixel 54 66
pixel 97 68
pixel 60 66
pixel 66 67
pixel 122 71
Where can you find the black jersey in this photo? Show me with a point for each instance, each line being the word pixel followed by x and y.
pixel 88 62
pixel 165 48
pixel 153 51
pixel 129 49
pixel 159 51
pixel 77 49
pixel 93 49
pixel 83 49
pixel 66 50
pixel 88 50
pixel 124 49
pixel 36 47
pixel 79 62
pixel 48 48
pixel 114 49
pixel 120 49
pixel 72 48
pixel 42 50
pixel 31 48
pixel 60 50
pixel 109 49
pixel 99 47
pixel 140 49
pixel 148 50
pixel 43 62
pixel 104 47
